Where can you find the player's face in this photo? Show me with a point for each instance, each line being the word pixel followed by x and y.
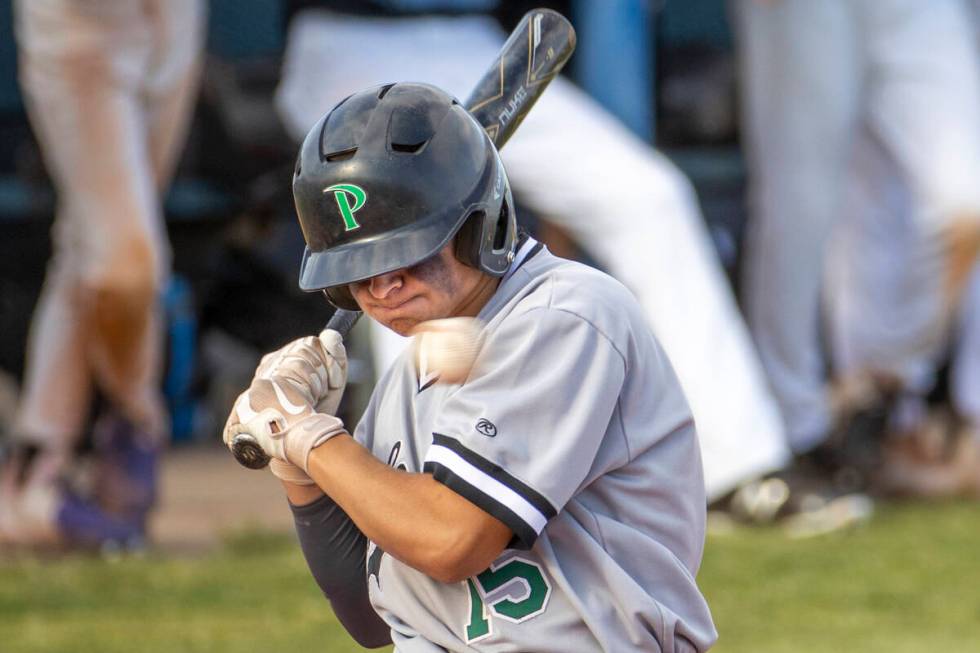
pixel 438 287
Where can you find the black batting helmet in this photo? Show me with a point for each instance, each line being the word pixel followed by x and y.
pixel 388 178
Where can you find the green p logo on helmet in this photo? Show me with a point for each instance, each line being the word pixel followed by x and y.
pixel 342 193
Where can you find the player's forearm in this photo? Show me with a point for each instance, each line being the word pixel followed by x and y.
pixel 411 516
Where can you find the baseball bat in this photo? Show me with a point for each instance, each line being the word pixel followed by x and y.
pixel 529 59
pixel 532 56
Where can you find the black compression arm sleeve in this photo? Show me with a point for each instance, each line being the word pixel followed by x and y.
pixel 334 549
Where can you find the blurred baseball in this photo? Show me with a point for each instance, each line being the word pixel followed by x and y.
pixel 447 347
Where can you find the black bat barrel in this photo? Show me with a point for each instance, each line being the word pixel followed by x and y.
pixel 533 55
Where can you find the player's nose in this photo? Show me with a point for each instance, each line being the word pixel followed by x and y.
pixel 383 285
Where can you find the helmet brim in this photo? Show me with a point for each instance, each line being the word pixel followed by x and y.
pixel 363 259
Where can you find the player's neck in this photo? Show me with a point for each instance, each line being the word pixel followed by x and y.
pixel 475 300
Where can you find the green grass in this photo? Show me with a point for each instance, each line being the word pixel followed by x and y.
pixel 256 595
pixel 909 581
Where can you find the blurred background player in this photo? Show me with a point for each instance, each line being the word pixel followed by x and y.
pixel 862 129
pixel 109 86
pixel 643 226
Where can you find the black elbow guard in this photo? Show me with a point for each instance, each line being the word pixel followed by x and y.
pixel 335 550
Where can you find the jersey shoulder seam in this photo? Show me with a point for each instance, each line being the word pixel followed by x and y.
pixel 622 429
pixel 550 306
pixel 598 527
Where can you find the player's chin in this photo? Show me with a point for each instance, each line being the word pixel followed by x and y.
pixel 401 322
pixel 403 318
pixel 402 326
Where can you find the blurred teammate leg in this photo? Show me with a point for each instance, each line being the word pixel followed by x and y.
pixel 909 240
pixel 85 68
pixel 965 382
pixel 914 230
pixel 800 97
pixel 931 127
pixel 881 306
pixel 128 448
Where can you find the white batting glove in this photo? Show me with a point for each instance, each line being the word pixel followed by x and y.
pixel 317 362
pixel 289 472
pixel 280 407
pixel 309 352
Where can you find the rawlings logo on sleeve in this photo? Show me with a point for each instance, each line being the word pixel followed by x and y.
pixel 486 427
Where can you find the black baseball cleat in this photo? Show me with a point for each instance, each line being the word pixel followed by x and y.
pixel 126 462
pixel 825 489
pixel 104 509
pixel 804 500
pixel 85 525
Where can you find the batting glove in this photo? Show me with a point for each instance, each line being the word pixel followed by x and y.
pixel 285 407
pixel 317 362
pixel 289 472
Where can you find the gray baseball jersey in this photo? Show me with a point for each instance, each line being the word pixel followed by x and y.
pixel 572 430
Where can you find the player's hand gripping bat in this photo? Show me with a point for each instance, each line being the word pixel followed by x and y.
pixel 531 57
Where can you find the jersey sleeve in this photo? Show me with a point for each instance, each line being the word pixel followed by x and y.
pixel 364 433
pixel 520 436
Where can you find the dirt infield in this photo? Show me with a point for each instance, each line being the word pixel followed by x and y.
pixel 206 495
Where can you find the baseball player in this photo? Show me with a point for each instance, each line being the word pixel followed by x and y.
pixel 554 500
pixel 109 86
pixel 648 232
pixel 862 120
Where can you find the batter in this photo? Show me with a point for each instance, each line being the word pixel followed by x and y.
pixel 554 500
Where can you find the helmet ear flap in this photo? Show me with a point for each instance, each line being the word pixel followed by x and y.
pixel 500 239
pixel 487 243
pixel 468 239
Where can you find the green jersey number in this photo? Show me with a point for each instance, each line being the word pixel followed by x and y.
pixel 531 599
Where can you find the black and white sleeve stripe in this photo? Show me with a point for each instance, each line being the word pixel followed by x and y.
pixel 487 485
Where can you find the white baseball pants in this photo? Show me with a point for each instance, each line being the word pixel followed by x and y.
pixel 109 87
pixel 824 84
